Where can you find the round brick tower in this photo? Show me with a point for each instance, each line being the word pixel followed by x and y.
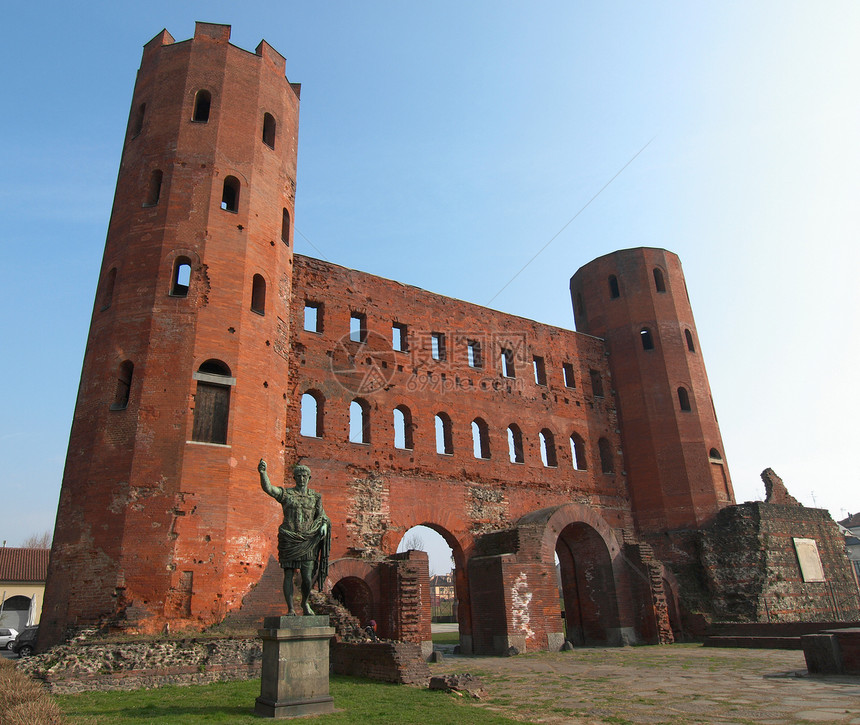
pixel 184 380
pixel 636 299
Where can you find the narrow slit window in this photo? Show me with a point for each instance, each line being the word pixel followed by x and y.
pixel 688 336
pixel 540 370
pixel 596 383
pixel 577 452
pixel 547 449
pixel 614 290
pixel 202 104
pixel 137 126
pixel 569 378
pixel 358 327
pixel 444 436
pixel 359 421
pixel 647 339
pixel 312 414
pixel 313 316
pixel 659 281
pixel 473 351
pixel 181 279
pixel 285 227
pixel 403 428
pixel 515 444
pixel 507 358
pixel 230 195
pixel 480 438
pixel 437 345
pixel 607 457
pixel 258 295
pixel 123 385
pixel 153 192
pixel 399 337
pixel 107 291
pixel 269 126
pixel 684 399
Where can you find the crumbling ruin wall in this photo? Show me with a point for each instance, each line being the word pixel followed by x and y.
pixel 753 568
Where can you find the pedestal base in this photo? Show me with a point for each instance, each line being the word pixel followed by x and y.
pixel 295 667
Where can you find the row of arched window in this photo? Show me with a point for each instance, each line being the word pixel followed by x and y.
pixel 615 288
pixel 200 114
pixel 647 338
pixel 312 426
pixel 180 283
pixel 229 198
pixel 211 399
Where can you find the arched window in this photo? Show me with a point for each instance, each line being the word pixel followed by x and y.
pixel 312 414
pixel 480 438
pixel 181 278
pixel 359 421
pixel 202 104
pixel 230 195
pixel 684 399
pixel 137 124
pixel 614 291
pixel 212 402
pixel 123 385
pixel 647 339
pixel 547 449
pixel 659 282
pixel 580 305
pixel 269 126
pixel 607 457
pixel 107 289
pixel 403 428
pixel 153 193
pixel 714 455
pixel 577 452
pixel 515 444
pixel 258 295
pixel 444 436
pixel 689 338
pixel 285 227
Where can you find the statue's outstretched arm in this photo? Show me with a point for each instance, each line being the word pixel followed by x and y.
pixel 265 483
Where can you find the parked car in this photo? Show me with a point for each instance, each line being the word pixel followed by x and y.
pixel 25 643
pixel 7 637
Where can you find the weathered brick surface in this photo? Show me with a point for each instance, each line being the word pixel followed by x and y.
pixel 155 528
pixel 752 568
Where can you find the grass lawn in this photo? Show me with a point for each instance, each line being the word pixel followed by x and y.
pixel 446 637
pixel 359 701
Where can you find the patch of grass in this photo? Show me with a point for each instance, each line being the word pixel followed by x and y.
pixel 358 701
pixel 446 637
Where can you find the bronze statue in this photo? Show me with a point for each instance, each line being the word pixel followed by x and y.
pixel 304 538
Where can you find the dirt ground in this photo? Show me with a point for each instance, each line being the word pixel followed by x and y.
pixel 669 684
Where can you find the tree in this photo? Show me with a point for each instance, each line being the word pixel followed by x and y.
pixel 38 541
pixel 413 541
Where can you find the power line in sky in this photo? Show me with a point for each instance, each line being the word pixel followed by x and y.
pixel 570 221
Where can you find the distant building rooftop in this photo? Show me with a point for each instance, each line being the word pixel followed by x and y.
pixel 23 565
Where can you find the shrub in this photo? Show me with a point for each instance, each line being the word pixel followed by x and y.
pixel 23 701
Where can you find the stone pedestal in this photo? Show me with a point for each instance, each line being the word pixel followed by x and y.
pixel 295 667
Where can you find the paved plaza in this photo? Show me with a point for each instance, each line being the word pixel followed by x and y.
pixel 668 684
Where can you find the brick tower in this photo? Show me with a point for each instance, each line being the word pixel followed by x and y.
pixel 184 378
pixel 636 299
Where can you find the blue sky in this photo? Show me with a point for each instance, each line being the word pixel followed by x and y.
pixel 443 144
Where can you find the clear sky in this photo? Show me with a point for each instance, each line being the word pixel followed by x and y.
pixel 442 145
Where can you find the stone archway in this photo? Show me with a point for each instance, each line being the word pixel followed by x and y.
pixel 460 580
pixel 355 594
pixel 587 586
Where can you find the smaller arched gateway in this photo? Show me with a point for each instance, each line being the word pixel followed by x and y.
pixel 607 589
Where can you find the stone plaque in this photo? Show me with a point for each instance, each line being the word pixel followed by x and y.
pixel 810 562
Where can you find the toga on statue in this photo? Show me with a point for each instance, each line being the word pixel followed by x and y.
pixel 304 538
